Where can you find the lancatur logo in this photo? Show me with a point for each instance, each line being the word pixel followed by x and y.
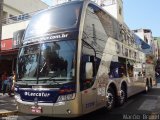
pixel 42 94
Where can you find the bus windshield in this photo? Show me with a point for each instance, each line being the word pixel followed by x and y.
pixel 47 62
pixel 54 19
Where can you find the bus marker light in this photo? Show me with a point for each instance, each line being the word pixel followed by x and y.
pixel 63 91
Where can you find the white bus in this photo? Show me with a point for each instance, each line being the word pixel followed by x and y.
pixel 75 59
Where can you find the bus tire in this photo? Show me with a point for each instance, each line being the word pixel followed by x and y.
pixel 123 96
pixel 110 99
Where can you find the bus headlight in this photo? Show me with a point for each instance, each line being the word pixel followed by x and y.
pixel 66 97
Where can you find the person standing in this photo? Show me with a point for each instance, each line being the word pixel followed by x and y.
pixel 9 85
pixel 4 82
pixel 0 83
pixel 157 74
pixel 13 80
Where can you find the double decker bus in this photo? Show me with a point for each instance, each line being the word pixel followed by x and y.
pixel 76 58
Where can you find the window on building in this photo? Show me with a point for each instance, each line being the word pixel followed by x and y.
pixel 120 10
pixel 12 17
pixel 126 52
pixel 145 39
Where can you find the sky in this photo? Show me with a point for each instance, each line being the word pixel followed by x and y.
pixel 49 2
pixel 140 14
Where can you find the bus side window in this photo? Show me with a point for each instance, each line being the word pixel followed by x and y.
pixel 89 70
pixel 122 70
pixel 117 70
pixel 114 70
pixel 130 68
pixel 139 74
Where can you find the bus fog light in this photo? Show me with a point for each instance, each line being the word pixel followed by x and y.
pixel 68 111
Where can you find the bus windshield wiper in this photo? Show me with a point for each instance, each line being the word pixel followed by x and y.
pixel 22 82
pixel 43 67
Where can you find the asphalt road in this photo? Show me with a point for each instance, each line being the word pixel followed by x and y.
pixel 138 107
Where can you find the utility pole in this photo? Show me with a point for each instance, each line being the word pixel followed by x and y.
pixel 1 17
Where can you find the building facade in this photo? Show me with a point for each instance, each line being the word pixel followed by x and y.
pixel 157 43
pixel 15 7
pixel 156 48
pixel 16 15
pixel 146 35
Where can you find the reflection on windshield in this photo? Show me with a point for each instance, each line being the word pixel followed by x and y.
pixel 57 59
pixel 57 18
pixel 28 61
pixel 53 60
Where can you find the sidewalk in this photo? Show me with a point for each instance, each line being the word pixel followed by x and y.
pixel 7 105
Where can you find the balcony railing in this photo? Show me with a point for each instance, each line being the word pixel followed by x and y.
pixel 15 19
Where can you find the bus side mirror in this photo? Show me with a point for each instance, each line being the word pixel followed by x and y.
pixel 89 70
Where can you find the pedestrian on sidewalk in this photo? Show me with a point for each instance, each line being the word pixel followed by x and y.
pixel 14 76
pixel 9 85
pixel 0 83
pixel 4 82
pixel 12 82
pixel 157 75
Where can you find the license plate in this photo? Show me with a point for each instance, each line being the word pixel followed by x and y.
pixel 36 109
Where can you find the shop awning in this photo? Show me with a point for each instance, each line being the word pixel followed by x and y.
pixel 9 52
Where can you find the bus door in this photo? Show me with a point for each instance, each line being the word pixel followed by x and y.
pixel 87 81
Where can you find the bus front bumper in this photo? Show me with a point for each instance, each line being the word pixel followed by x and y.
pixel 61 109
